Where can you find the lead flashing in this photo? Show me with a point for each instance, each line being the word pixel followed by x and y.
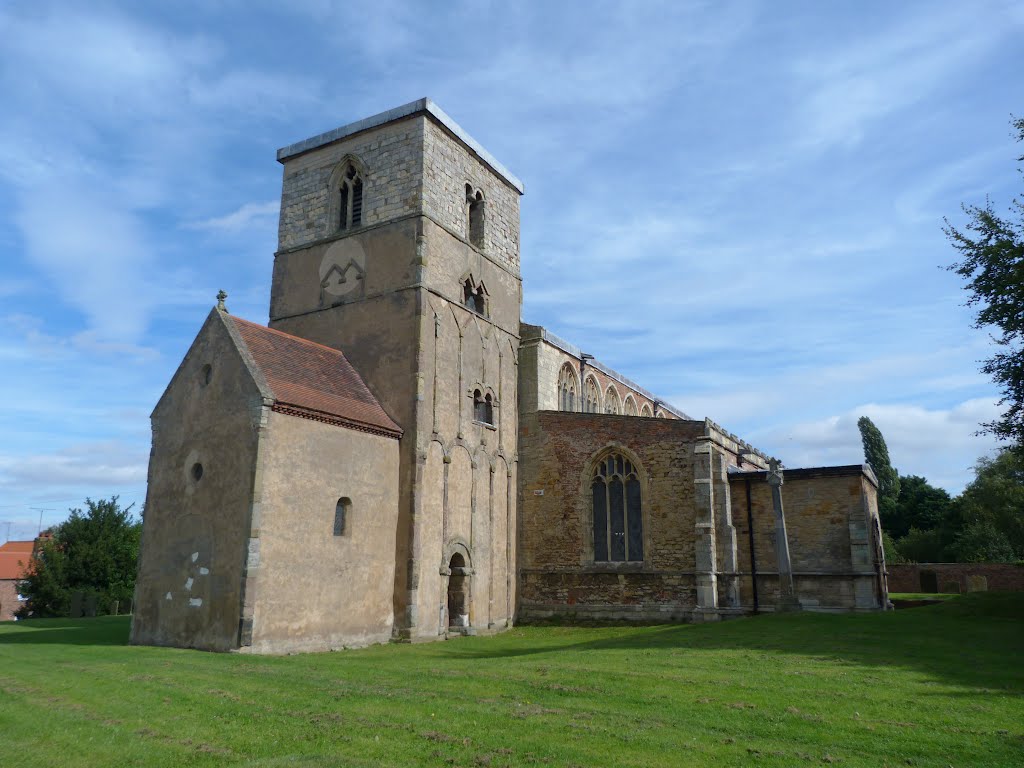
pixel 420 106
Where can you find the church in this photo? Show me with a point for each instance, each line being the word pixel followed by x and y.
pixel 398 456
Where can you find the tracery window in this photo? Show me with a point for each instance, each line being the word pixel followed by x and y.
pixel 350 209
pixel 568 392
pixel 646 411
pixel 629 407
pixel 611 401
pixel 618 514
pixel 591 396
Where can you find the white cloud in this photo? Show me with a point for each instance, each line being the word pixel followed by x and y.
pixel 939 444
pixel 248 216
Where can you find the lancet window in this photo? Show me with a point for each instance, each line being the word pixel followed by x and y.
pixel 591 396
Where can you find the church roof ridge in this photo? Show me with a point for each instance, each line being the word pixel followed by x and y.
pixel 420 106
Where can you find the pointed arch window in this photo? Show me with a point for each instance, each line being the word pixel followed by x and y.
pixel 646 411
pixel 618 511
pixel 591 396
pixel 350 198
pixel 629 407
pixel 568 391
pixel 611 401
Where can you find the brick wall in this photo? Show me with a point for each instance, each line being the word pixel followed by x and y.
pixel 8 599
pixel 998 576
pixel 558 575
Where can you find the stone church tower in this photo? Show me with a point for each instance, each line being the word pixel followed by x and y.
pixel 399 245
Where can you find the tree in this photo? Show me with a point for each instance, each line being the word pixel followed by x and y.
pixel 920 505
pixel 877 455
pixel 996 497
pixel 93 552
pixel 991 251
pixel 982 542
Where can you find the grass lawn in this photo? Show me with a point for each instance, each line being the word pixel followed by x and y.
pixel 923 595
pixel 935 686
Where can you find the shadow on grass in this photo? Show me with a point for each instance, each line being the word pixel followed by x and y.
pixel 975 641
pixel 102 630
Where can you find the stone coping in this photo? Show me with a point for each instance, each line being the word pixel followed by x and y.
pixel 420 106
pixel 846 470
pixel 543 334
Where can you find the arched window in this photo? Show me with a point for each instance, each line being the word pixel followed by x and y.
pixel 611 401
pixel 646 411
pixel 629 407
pixel 350 198
pixel 661 414
pixel 342 514
pixel 618 517
pixel 488 409
pixel 475 216
pixel 591 396
pixel 568 391
pixel 483 407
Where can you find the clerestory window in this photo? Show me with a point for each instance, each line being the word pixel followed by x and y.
pixel 567 389
pixel 618 516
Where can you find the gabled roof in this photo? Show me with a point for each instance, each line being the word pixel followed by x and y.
pixel 14 559
pixel 312 381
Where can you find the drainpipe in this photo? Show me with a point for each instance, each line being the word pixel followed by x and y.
pixel 753 558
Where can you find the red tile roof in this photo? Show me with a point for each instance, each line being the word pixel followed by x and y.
pixel 313 381
pixel 14 559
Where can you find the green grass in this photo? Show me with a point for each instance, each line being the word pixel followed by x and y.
pixel 935 686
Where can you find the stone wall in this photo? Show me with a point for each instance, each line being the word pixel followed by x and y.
pixel 316 590
pixel 390 295
pixel 956 577
pixel 196 530
pixel 542 364
pixel 830 516
pixel 391 157
pixel 448 167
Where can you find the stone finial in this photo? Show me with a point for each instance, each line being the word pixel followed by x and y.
pixel 221 295
pixel 774 472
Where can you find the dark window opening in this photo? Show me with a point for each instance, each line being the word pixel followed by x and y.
pixel 483 407
pixel 197 471
pixel 476 220
pixel 473 297
pixel 458 592
pixel 618 514
pixel 350 200
pixel 205 375
pixel 341 516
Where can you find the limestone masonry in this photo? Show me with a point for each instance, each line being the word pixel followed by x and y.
pixel 398 456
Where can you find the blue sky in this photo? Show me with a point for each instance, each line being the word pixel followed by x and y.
pixel 737 204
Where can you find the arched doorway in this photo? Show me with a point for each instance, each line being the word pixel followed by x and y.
pixel 458 594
